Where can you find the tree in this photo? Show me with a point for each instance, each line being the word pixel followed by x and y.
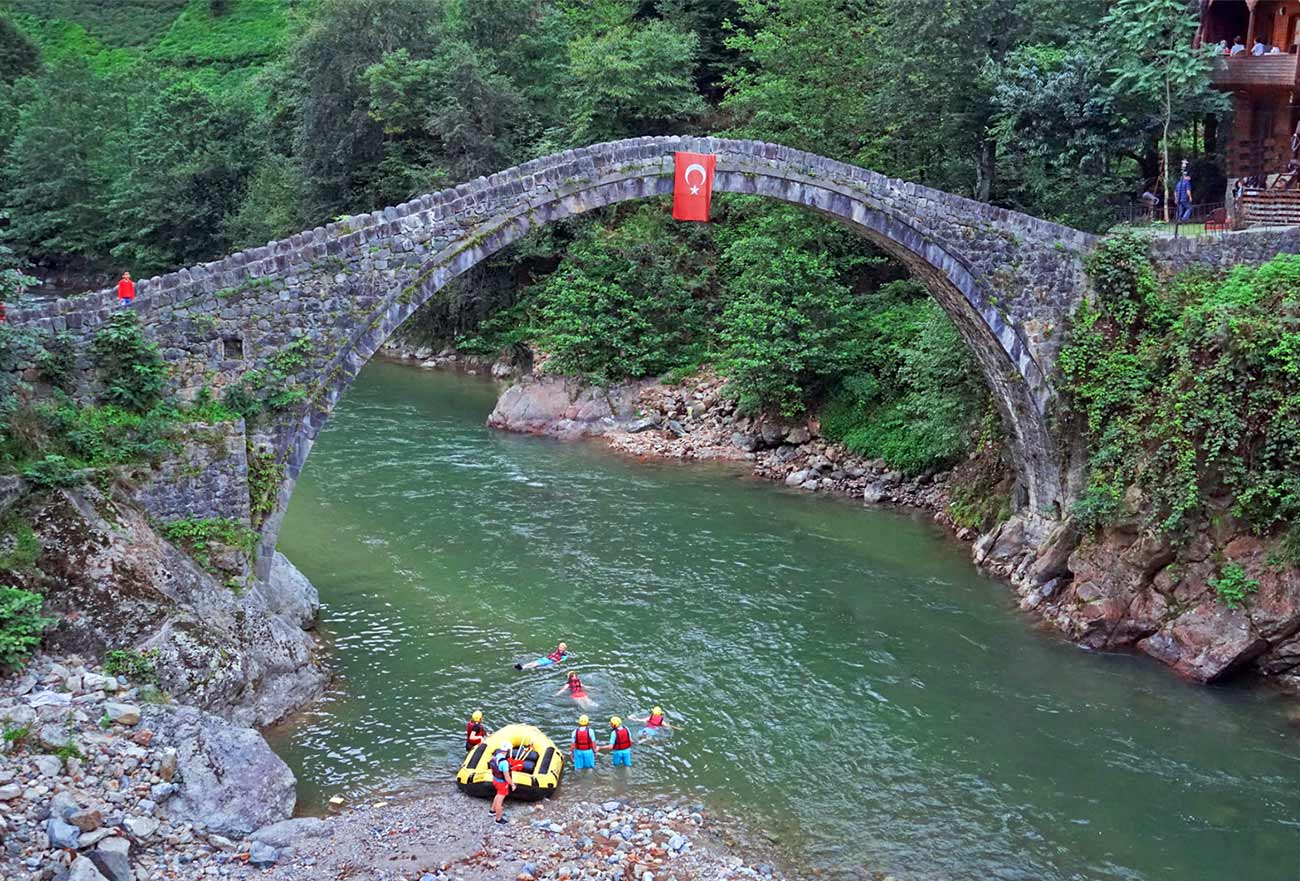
pixel 1153 61
pixel 170 204
pixel 18 55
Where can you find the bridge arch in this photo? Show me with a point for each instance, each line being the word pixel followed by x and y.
pixel 1008 281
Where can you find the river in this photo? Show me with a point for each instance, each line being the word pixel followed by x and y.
pixel 847 682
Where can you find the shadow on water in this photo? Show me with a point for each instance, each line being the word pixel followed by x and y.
pixel 847 682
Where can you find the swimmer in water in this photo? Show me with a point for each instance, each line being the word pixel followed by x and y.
pixel 577 692
pixel 556 657
pixel 655 724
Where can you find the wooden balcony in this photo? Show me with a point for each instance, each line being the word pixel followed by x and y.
pixel 1249 71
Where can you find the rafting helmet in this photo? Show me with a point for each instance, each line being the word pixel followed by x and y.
pixel 615 721
pixel 583 720
pixel 657 711
pixel 477 717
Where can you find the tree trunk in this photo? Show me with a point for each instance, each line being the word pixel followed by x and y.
pixel 1164 146
pixel 986 169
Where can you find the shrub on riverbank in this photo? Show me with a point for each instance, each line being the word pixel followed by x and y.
pixel 21 626
pixel 1188 393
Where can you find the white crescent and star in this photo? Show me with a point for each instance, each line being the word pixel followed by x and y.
pixel 686 177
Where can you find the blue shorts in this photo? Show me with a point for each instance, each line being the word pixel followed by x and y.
pixel 623 757
pixel 584 758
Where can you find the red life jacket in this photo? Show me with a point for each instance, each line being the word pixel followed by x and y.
pixel 473 734
pixel 575 687
pixel 582 738
pixel 655 721
pixel 556 655
pixel 499 776
pixel 622 739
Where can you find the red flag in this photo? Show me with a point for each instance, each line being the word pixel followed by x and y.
pixel 693 185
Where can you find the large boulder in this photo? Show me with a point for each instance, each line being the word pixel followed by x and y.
pixel 117 583
pixel 289 594
pixel 229 780
pixel 565 408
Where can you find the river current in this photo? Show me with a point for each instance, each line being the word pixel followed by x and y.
pixel 847 683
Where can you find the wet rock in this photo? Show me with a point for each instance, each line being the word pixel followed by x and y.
pixel 112 859
pixel 675 427
pixel 289 594
pixel 798 435
pixel 286 832
pixel 122 714
pixel 262 855
pixel 1206 643
pixel 83 869
pixel 874 494
pixel 232 782
pixel 61 834
pixel 798 478
pixel 743 441
pixel 643 424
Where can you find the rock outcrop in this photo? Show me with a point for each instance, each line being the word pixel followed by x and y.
pixel 233 782
pixel 565 408
pixel 114 582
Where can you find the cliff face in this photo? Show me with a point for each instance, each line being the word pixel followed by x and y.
pixel 238 649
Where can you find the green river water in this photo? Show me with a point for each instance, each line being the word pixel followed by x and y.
pixel 850 685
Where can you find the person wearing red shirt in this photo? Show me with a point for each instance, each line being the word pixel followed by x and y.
pixel 125 290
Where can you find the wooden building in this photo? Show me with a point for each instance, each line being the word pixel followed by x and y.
pixel 1259 151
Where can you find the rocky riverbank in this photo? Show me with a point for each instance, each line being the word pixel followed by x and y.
pixel 694 421
pixel 104 779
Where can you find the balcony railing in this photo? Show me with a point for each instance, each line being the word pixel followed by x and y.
pixel 1245 70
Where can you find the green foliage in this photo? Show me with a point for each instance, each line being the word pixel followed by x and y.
pixel 244 32
pixel 132 371
pixel 1187 392
pixel 264 478
pixel 1233 586
pixel 116 22
pixel 21 626
pixel 18 55
pixel 69 750
pixel 16 735
pixel 53 471
pixel 206 408
pixel 131 664
pixel 199 536
pixel 272 389
pixel 20 548
pixel 624 303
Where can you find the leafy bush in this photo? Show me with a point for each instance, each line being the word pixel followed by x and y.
pixel 133 372
pixel 19 546
pixel 53 471
pixel 1188 390
pixel 135 666
pixel 198 536
pixel 21 626
pixel 1232 585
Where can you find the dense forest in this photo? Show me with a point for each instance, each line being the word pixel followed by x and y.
pixel 148 134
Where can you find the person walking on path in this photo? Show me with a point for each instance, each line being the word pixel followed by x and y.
pixel 620 743
pixel 475 730
pixel 1183 195
pixel 584 746
pixel 125 290
pixel 501 781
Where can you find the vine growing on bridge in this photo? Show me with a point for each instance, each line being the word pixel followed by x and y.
pixel 1188 392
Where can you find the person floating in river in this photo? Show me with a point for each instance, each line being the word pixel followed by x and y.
pixel 502 781
pixel 620 742
pixel 558 656
pixel 655 724
pixel 475 730
pixel 583 749
pixel 125 290
pixel 577 692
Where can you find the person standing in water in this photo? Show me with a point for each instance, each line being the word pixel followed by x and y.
pixel 577 692
pixel 583 750
pixel 620 742
pixel 561 652
pixel 501 781
pixel 655 723
pixel 475 730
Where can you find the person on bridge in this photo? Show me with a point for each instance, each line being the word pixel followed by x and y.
pixel 577 692
pixel 1183 195
pixel 125 290
pixel 584 746
pixel 1237 47
pixel 620 742
pixel 501 781
pixel 475 731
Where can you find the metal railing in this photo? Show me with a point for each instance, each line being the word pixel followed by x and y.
pixel 1201 218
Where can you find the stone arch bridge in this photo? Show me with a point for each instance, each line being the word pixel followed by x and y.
pixel 312 309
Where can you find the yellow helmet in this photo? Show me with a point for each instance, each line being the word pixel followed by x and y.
pixel 657 711
pixel 477 717
pixel 583 720
pixel 615 721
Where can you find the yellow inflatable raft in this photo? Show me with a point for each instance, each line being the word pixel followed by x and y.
pixel 535 762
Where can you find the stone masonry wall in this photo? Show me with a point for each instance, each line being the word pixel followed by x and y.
pixel 208 477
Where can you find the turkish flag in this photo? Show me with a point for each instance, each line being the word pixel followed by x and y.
pixel 693 185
